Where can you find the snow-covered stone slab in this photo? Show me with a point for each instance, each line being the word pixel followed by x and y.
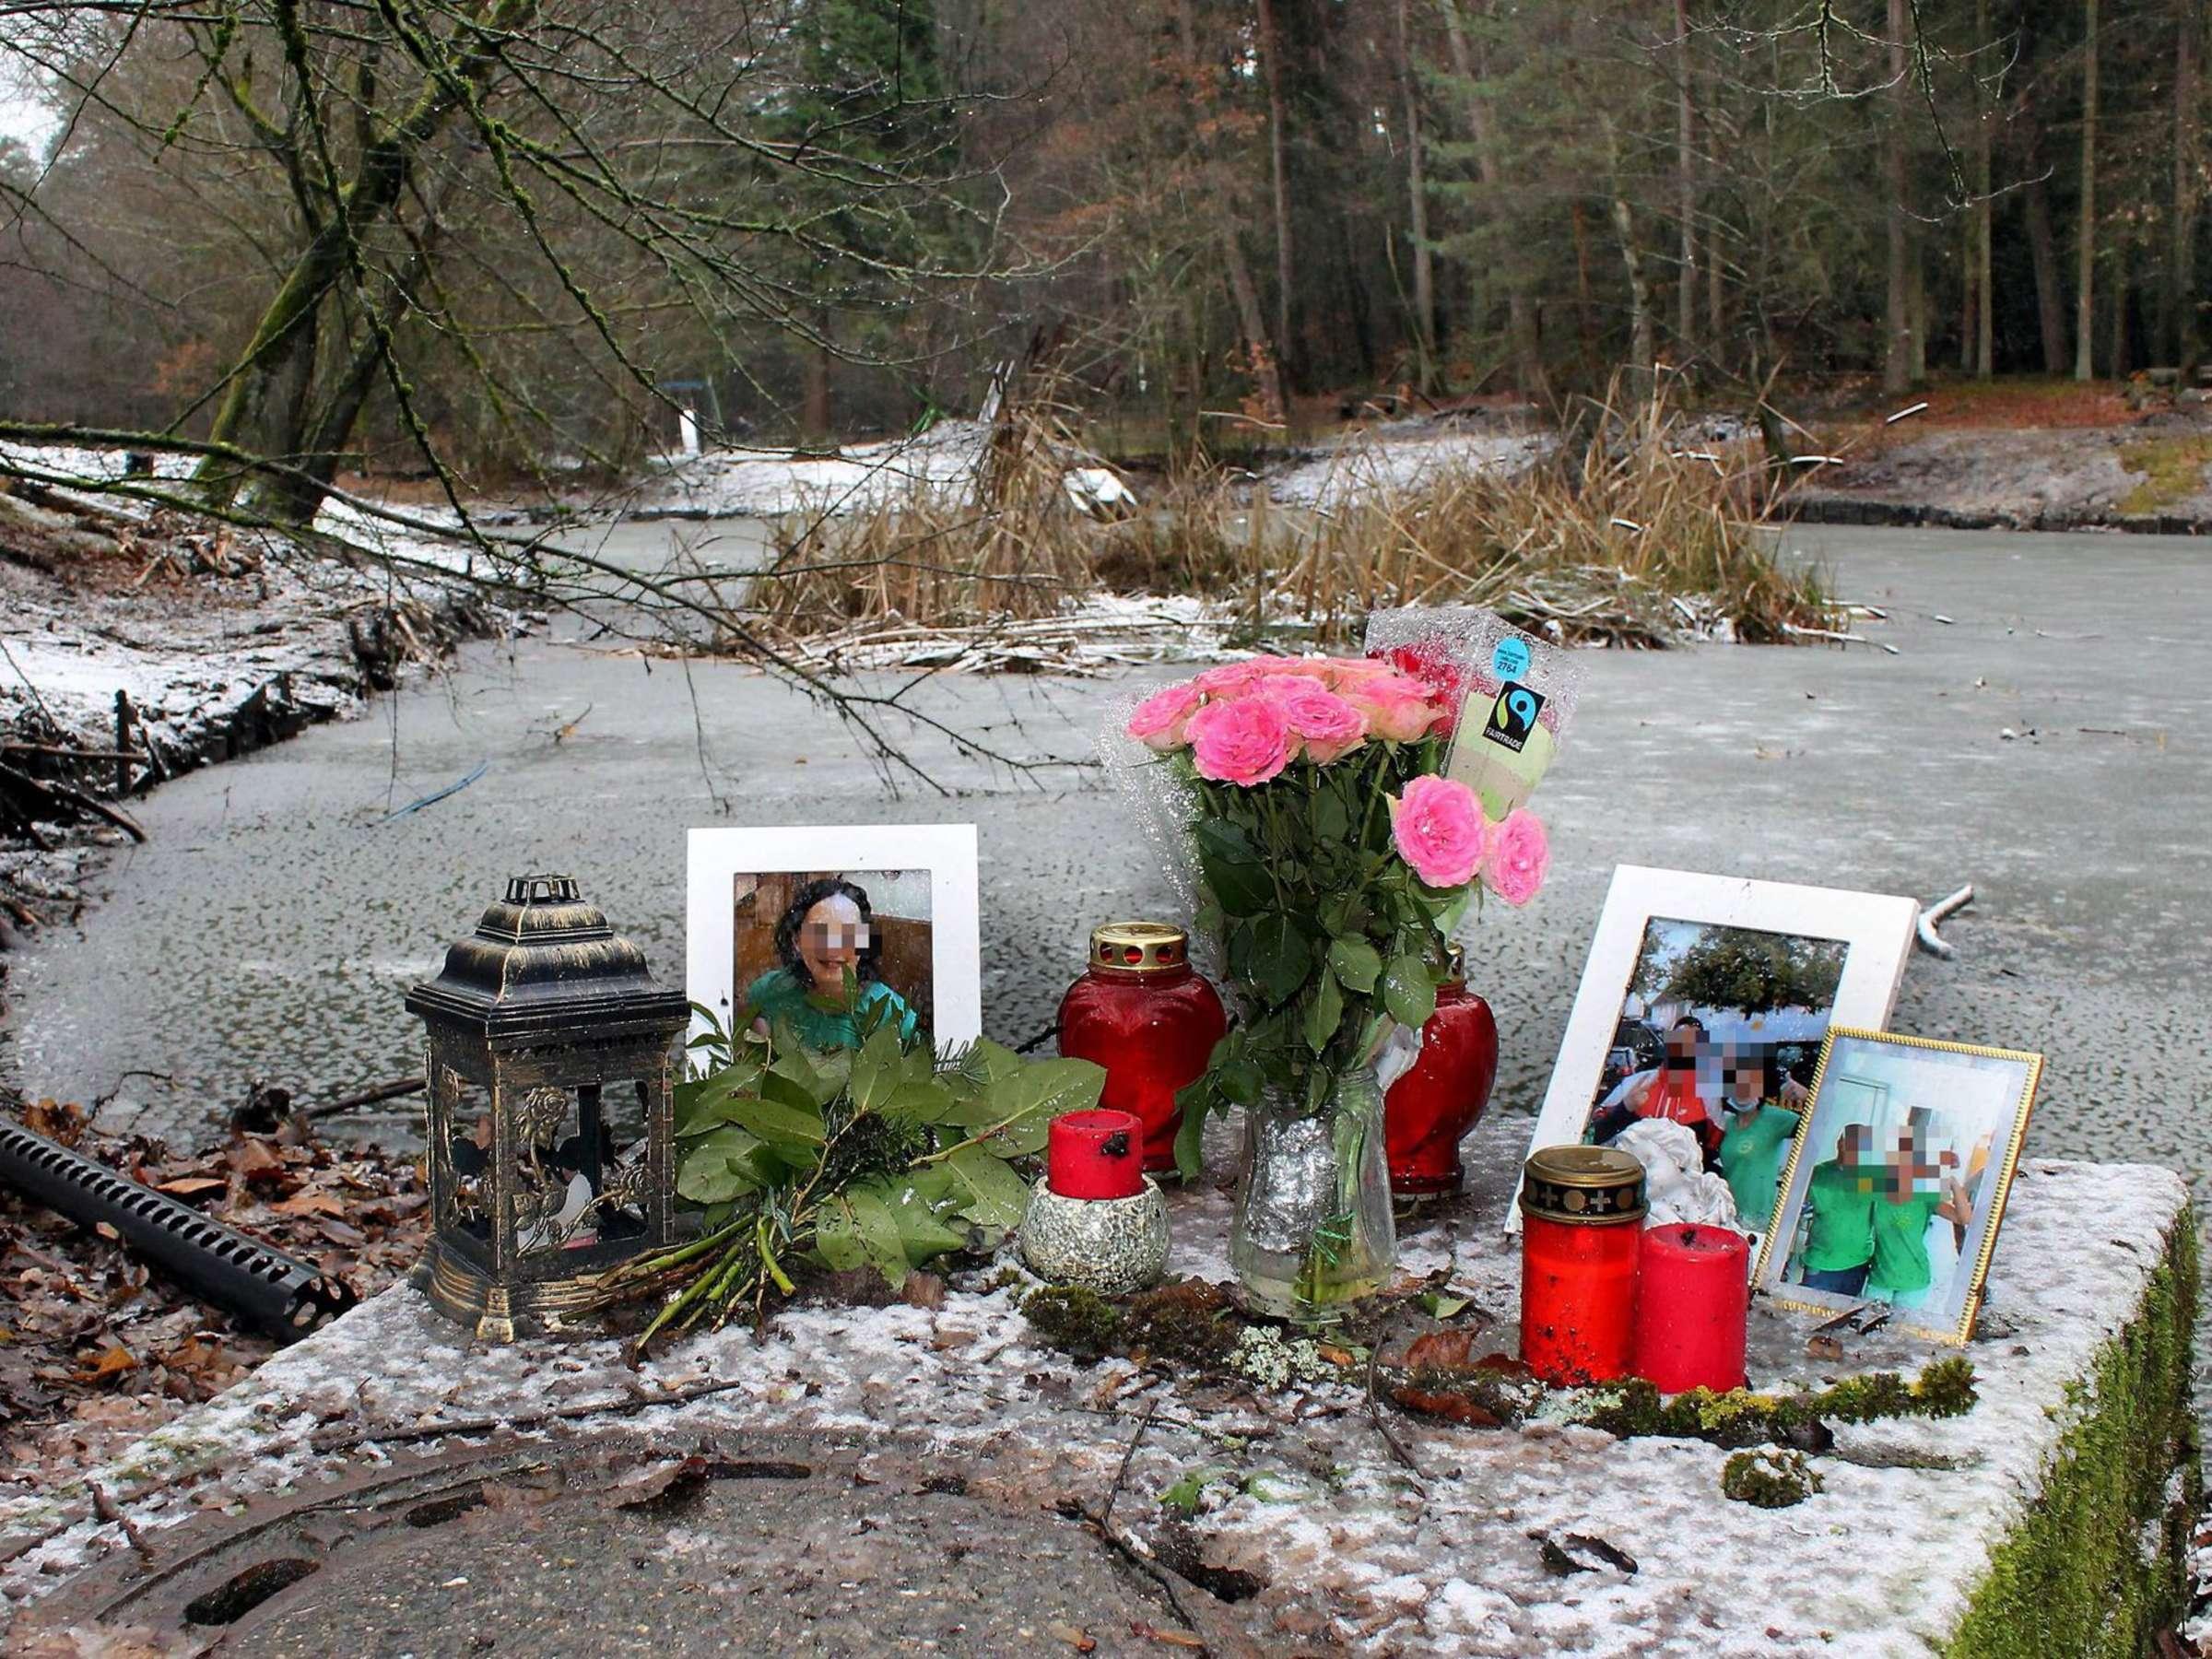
pixel 2051 1519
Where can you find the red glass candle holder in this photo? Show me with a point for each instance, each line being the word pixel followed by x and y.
pixel 1582 1210
pixel 1095 1154
pixel 1429 1110
pixel 1141 1011
pixel 1693 1299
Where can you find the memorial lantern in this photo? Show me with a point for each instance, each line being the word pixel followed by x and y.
pixel 549 1060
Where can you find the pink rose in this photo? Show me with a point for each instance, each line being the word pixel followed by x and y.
pixel 1516 855
pixel 1437 825
pixel 1160 720
pixel 1331 727
pixel 1231 679
pixel 1398 708
pixel 1243 741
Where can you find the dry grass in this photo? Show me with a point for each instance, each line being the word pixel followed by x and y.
pixel 1645 537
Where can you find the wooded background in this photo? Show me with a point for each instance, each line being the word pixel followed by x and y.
pixel 522 231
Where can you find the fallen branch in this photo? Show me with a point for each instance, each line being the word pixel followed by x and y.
pixel 57 795
pixel 393 1091
pixel 1924 930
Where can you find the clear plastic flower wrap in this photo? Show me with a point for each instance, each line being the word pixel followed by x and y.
pixel 1515 694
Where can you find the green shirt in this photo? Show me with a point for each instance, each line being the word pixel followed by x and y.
pixel 1840 1201
pixel 1751 1155
pixel 820 1023
pixel 1901 1243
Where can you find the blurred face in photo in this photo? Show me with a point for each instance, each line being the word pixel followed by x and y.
pixel 831 938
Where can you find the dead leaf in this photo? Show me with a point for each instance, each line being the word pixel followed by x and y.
pixel 189 1187
pixel 308 1201
pixel 1181 1639
pixel 1456 1409
pixel 113 1361
pixel 1823 1347
pixel 1441 1350
pixel 1075 1638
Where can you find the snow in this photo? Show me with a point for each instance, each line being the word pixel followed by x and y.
pixel 746 482
pixel 1383 464
pixel 1883 1561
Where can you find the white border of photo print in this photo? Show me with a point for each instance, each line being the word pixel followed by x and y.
pixel 1875 930
pixel 946 850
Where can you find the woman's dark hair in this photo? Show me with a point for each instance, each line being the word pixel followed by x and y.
pixel 804 900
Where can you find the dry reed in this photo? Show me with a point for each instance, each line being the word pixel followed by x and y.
pixel 1633 539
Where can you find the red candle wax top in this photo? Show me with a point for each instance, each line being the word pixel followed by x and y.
pixel 1692 1301
pixel 1097 1154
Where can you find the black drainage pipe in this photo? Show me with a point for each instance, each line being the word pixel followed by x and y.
pixel 268 1289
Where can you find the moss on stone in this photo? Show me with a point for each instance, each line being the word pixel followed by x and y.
pixel 1077 1321
pixel 2075 1577
pixel 1769 1479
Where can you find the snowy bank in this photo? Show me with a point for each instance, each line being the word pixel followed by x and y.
pixel 2051 1516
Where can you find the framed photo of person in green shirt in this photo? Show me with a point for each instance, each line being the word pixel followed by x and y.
pixel 1704 1002
pixel 828 930
pixel 1895 1188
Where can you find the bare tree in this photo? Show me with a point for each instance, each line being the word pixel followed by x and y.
pixel 2085 245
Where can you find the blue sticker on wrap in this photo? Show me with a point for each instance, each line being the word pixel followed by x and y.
pixel 1510 658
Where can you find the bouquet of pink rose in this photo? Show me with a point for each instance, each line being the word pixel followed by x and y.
pixel 1333 862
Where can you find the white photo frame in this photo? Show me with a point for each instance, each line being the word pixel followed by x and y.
pixel 715 859
pixel 1874 929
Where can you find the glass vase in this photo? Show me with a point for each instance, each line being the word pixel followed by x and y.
pixel 1313 1233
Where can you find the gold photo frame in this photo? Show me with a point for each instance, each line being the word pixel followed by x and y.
pixel 1897 1184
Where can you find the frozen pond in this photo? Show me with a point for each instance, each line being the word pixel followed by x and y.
pixel 271 925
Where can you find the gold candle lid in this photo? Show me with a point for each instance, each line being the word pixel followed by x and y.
pixel 1584 1186
pixel 1140 948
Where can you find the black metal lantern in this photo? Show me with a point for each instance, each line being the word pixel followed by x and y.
pixel 548 1060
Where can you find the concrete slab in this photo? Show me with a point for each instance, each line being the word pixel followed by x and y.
pixel 1919 1525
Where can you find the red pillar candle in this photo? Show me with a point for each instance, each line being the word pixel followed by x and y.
pixel 1141 1011
pixel 1582 1210
pixel 1096 1153
pixel 1429 1110
pixel 1693 1298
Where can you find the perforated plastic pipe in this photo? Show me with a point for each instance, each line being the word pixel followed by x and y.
pixel 263 1285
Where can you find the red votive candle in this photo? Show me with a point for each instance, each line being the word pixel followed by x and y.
pixel 1693 1298
pixel 1144 1014
pixel 1581 1208
pixel 1098 1154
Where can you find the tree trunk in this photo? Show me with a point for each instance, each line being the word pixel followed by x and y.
pixel 1897 356
pixel 2115 352
pixel 280 357
pixel 1984 212
pixel 1265 355
pixel 2086 261
pixel 1254 327
pixel 1685 186
pixel 1424 276
pixel 1916 309
pixel 2043 249
pixel 814 406
pixel 1528 357
pixel 1271 67
pixel 1642 356
pixel 2180 258
pixel 1585 304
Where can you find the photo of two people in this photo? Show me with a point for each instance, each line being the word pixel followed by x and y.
pixel 1896 1189
pixel 1720 1030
